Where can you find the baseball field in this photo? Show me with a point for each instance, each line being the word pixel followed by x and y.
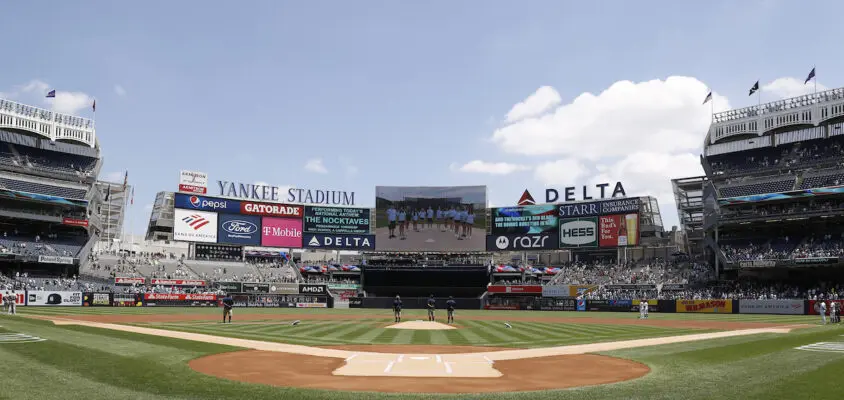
pixel 186 353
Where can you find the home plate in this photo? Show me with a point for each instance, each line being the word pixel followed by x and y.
pixel 419 365
pixel 421 325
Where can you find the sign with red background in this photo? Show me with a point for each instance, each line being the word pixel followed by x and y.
pixel 75 222
pixel 518 289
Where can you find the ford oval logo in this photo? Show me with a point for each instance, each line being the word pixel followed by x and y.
pixel 239 227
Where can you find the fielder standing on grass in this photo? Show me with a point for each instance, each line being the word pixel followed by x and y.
pixel 397 308
pixel 822 310
pixel 432 306
pixel 449 306
pixel 13 299
pixel 228 304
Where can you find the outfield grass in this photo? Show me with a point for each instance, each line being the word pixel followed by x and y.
pixel 89 363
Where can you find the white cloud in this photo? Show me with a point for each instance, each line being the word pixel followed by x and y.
pixel 537 103
pixel 640 134
pixel 119 90
pixel 316 165
pixel 482 167
pixel 661 116
pixel 788 87
pixel 566 171
pixel 71 102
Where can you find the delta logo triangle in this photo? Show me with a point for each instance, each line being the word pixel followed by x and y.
pixel 314 242
pixel 526 199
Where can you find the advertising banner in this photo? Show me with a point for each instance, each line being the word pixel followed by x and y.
pixel 53 298
pixel 129 281
pixel 75 222
pixel 195 226
pixel 620 206
pixel 448 218
pixel 609 305
pixel 20 299
pixel 619 230
pixel 127 300
pixel 544 241
pixel 579 210
pixel 284 288
pixel 716 306
pixel 204 203
pixel 516 289
pixel 239 229
pixel 578 290
pixel 816 260
pixel 558 305
pixel 788 307
pixel 578 232
pixel 355 302
pixel 256 287
pixel 524 220
pixel 556 291
pixel 337 220
pixel 96 300
pixel 218 252
pixel 177 282
pixel 271 209
pixel 193 182
pixel 55 260
pixel 265 300
pixel 338 242
pixel 815 306
pixel 281 232
pixel 230 287
pixel 180 300
pixel 311 305
pixel 759 264
pixel 305 288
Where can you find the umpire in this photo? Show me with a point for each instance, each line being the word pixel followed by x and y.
pixel 449 306
pixel 397 308
pixel 228 304
pixel 432 306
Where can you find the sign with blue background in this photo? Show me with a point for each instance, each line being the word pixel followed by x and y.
pixel 205 203
pixel 239 229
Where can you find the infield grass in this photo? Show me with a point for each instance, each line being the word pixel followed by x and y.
pixel 79 362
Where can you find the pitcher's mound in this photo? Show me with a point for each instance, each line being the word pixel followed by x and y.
pixel 421 325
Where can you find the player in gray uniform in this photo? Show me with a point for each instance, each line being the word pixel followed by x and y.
pixel 834 312
pixel 13 299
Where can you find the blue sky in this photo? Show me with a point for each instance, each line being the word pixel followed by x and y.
pixel 350 95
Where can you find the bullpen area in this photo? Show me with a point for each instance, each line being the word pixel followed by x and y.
pixel 113 352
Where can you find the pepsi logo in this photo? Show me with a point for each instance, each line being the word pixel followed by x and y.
pixel 194 201
pixel 238 227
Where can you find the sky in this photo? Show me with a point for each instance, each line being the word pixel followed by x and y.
pixel 350 95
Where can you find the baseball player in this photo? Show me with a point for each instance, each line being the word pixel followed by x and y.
pixel 834 312
pixel 449 306
pixel 228 304
pixel 6 301
pixel 822 310
pixel 432 306
pixel 397 308
pixel 643 309
pixel 12 300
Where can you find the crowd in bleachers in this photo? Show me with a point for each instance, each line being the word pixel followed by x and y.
pixel 783 248
pixel 31 158
pixel 47 244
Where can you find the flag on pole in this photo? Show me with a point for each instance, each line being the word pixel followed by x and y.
pixel 708 98
pixel 754 88
pixel 108 193
pixel 810 77
pixel 125 180
pixel 51 94
pixel 94 106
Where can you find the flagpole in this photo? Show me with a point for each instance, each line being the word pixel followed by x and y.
pixel 815 78
pixel 108 217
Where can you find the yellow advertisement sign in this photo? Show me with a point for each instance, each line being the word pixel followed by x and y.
pixel 577 290
pixel 650 302
pixel 716 306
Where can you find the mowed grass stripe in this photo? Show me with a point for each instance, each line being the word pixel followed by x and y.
pixel 440 338
pixel 352 333
pixel 404 336
pixel 421 337
pixel 482 332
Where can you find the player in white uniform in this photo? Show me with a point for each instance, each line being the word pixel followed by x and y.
pixel 823 312
pixel 834 312
pixel 13 299
pixel 643 309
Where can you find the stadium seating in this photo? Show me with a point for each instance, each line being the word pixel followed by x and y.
pixel 41 188
pixel 776 186
pixel 825 180
pixel 44 246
